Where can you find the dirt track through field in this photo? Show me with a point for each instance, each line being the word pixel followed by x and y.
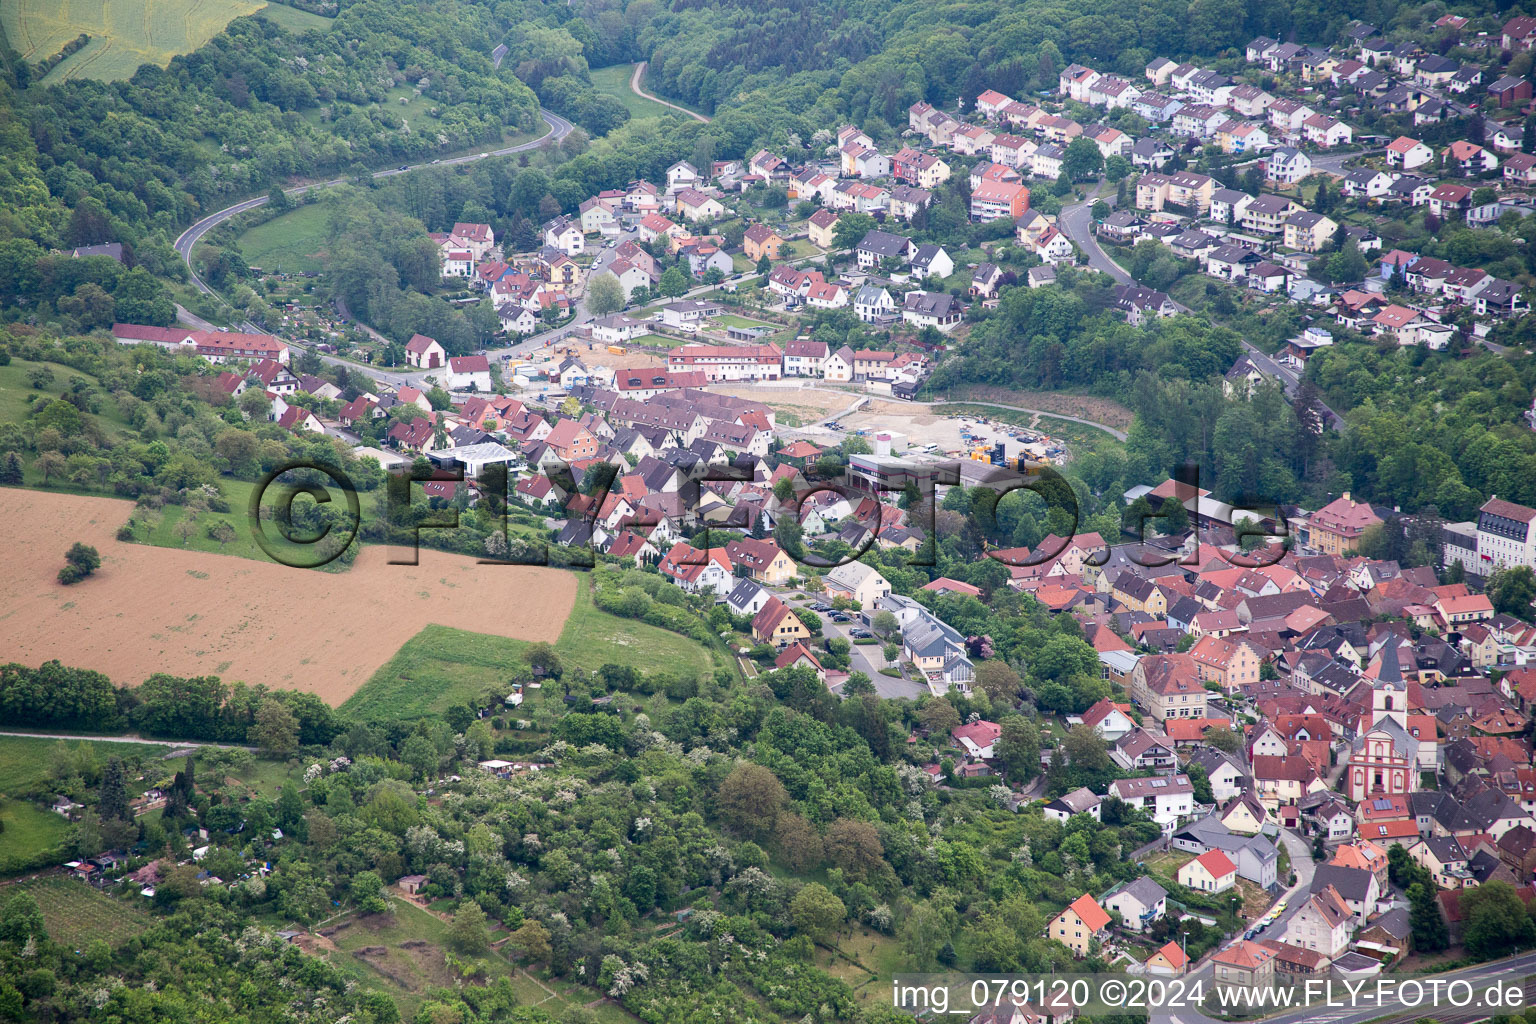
pixel 151 609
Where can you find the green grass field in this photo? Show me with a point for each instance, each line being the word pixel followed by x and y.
pixel 25 761
pixel 402 954
pixel 17 394
pixel 123 36
pixel 440 667
pixel 295 20
pixel 29 830
pixel 435 669
pixel 291 243
pixel 75 914
pixel 653 341
pixel 614 81
pixel 593 638
pixel 732 320
pixel 25 768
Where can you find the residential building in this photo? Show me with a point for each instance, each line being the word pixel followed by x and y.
pixel 1080 926
pixel 1169 686
pixel 1286 166
pixel 939 310
pixel 930 260
pixel 1324 923
pixel 1406 153
pixel 1168 799
pixel 777 625
pixel 729 362
pixel 425 353
pixel 1079 801
pixel 1337 526
pixel 804 357
pixel 763 560
pixel 1139 903
pixel 1506 536
pixel 873 304
pixel 857 582
pixel 993 200
pixel 469 373
pixel 1308 231
pixel 1211 872
pixel 760 240
pixel 821 227
pixel 877 246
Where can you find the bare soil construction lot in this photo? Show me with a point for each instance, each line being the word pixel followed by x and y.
pixel 1088 407
pixel 151 609
pixel 914 419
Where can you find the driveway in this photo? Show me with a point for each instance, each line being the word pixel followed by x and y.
pixel 866 658
pixel 1301 863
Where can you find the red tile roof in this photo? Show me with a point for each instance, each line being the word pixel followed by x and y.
pixel 1087 909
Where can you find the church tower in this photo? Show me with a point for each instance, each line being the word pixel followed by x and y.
pixel 1389 691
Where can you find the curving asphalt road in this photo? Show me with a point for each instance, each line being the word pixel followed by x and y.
pixel 634 87
pixel 1393 1007
pixel 559 128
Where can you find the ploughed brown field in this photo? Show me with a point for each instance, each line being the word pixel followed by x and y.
pixel 153 609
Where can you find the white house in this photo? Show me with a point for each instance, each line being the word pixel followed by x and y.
pixel 1168 800
pixel 1406 153
pixel 425 353
pixel 1139 903
pixel 516 319
pixel 1287 166
pixel 858 582
pixel 469 373
pixel 838 367
pixel 931 261
pixel 1109 720
pixel 682 175
pixel 1366 183
pixel 565 234
pixel 1324 923
pixel 1212 871
pixel 617 329
pixel 939 310
pixel 1079 801
pixel 978 738
pixel 872 303
pixel 804 357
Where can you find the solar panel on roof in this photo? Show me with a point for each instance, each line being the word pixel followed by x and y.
pixel 1382 804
